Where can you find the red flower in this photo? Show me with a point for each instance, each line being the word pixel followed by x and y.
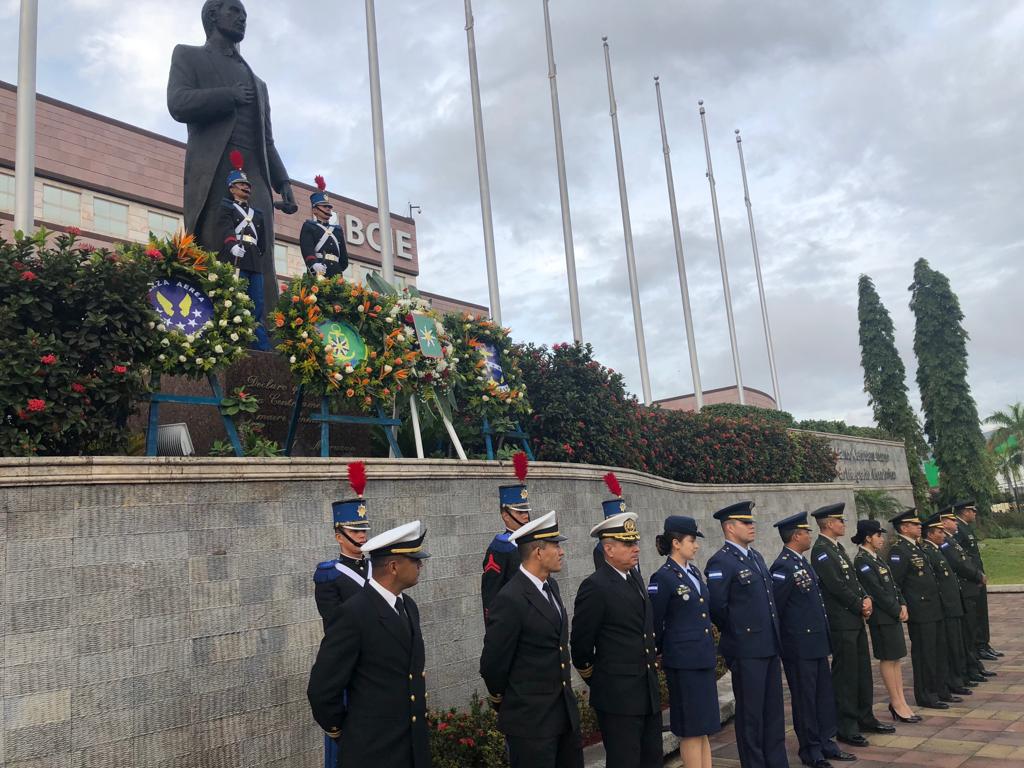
pixel 442 726
pixel 48 359
pixel 74 231
pixel 154 254
pixel 242 394
pixel 86 248
pixel 28 274
pixel 76 387
pixel 409 319
pixel 36 405
pixel 120 369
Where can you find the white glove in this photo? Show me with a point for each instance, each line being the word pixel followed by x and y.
pixel 237 250
pixel 320 269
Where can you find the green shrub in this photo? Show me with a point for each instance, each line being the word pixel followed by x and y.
pixel 466 739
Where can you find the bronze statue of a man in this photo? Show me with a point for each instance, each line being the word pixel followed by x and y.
pixel 226 107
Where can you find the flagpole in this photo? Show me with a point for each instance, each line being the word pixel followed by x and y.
pixel 627 229
pixel 387 255
pixel 563 185
pixel 721 260
pixel 25 142
pixel 481 167
pixel 677 235
pixel 760 280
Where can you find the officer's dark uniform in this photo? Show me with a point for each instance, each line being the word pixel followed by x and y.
pixel 501 560
pixel 913 575
pixel 373 656
pixel 806 646
pixel 952 662
pixel 887 641
pixel 851 663
pixel 682 632
pixel 743 609
pixel 967 539
pixel 526 667
pixel 339 579
pixel 970 578
pixel 323 244
pixel 613 648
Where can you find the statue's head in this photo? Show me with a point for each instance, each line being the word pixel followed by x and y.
pixel 225 16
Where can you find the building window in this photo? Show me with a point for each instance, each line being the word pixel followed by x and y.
pixel 6 192
pixel 62 206
pixel 162 225
pixel 109 217
pixel 281 259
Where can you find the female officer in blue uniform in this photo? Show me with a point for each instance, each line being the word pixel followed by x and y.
pixel 682 628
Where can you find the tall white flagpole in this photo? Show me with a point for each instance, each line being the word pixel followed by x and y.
pixel 387 254
pixel 760 280
pixel 627 229
pixel 481 168
pixel 25 141
pixel 563 185
pixel 677 235
pixel 721 260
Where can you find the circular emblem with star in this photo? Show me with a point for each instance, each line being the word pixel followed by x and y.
pixel 629 526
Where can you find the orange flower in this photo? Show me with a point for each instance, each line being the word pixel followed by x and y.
pixel 295 299
pixel 366 382
pixel 337 307
pixel 330 359
pixel 385 392
pixel 279 320
pixel 297 322
pixel 373 355
pixel 368 400
pixel 402 374
pixel 350 393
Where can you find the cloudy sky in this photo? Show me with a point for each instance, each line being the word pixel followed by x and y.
pixel 875 133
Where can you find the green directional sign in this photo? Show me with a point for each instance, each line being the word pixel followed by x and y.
pixel 343 341
pixel 426 332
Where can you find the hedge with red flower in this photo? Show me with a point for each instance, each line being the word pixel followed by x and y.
pixel 325 369
pixel 187 348
pixel 466 739
pixel 75 336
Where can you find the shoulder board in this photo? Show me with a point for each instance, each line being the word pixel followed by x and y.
pixel 502 544
pixel 326 572
pixel 822 556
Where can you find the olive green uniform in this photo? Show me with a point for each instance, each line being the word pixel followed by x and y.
pixel 887 641
pixel 952 661
pixel 970 577
pixel 966 538
pixel 913 575
pixel 851 664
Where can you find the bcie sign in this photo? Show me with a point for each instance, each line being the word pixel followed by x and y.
pixel 358 233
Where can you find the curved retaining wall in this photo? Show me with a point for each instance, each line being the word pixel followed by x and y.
pixel 159 612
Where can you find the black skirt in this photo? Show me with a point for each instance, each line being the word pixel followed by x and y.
pixel 693 702
pixel 888 642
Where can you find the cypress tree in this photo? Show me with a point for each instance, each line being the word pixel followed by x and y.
pixel 951 415
pixel 885 382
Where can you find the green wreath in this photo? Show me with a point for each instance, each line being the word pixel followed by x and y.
pixel 201 308
pixel 480 345
pixel 343 340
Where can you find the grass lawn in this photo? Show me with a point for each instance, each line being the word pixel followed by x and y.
pixel 1004 560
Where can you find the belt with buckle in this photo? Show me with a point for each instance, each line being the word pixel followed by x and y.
pixel 248 239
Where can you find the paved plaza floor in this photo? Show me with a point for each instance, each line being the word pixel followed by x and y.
pixel 985 731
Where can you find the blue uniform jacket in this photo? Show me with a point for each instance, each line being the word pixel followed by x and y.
pixel 682 619
pixel 801 608
pixel 743 604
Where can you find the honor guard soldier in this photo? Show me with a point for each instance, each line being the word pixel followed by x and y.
pixel 743 609
pixel 972 579
pixel 914 577
pixel 337 580
pixel 682 633
pixel 321 242
pixel 613 649
pixel 806 646
pixel 501 560
pixel 966 514
pixel 525 662
pixel 847 606
pixel 889 612
pixel 373 656
pixel 611 507
pixel 243 235
pixel 951 654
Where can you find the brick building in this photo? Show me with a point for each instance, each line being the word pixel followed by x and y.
pixel 117 182
pixel 721 395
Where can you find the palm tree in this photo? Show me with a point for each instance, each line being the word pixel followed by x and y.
pixel 1009 423
pixel 875 503
pixel 1007 444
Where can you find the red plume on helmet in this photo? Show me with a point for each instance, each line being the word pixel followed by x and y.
pixel 357 477
pixel 521 465
pixel 613 484
pixel 237 161
pixel 320 183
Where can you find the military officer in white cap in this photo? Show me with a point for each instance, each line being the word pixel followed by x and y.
pixel 373 654
pixel 525 662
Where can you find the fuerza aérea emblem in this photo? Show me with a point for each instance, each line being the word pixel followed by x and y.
pixel 182 306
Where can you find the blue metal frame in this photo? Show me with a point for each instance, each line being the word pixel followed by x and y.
pixel 159 397
pixel 517 433
pixel 326 418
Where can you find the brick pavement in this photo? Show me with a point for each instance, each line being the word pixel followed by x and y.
pixel 986 731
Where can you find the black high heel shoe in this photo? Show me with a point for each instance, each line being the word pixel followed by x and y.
pixel 901 718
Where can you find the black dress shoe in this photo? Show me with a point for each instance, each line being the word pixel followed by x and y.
pixel 856 740
pixel 993 651
pixel 950 699
pixel 877 727
pixel 987 655
pixel 843 757
pixel 961 691
pixel 971 684
pixel 986 673
pixel 820 764
pixel 936 705
pixel 980 679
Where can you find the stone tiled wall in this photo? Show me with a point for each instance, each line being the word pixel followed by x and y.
pixel 158 613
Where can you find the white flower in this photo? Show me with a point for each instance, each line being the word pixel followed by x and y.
pixel 181 358
pixel 161 327
pixel 236 320
pixel 223 323
pixel 360 308
pixel 190 338
pixel 305 335
pixel 234 337
pixel 485 398
pixel 211 294
pixel 388 369
pixel 292 359
pixel 161 358
pixel 199 361
pixel 240 296
pixel 337 377
pixel 349 369
pixel 211 360
pixel 165 342
pixel 247 313
pixel 219 349
pixel 227 303
pixel 213 277
pixel 152 326
pixel 208 324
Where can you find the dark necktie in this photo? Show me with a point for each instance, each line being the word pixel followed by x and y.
pixel 753 559
pixel 551 599
pixel 403 614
